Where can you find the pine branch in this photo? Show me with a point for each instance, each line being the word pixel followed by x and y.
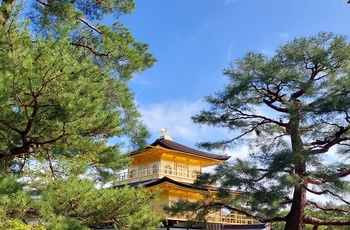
pixel 89 25
pixel 43 2
pixel 315 204
pixel 323 192
pixel 317 221
pixel 91 49
pixel 256 217
pixel 79 18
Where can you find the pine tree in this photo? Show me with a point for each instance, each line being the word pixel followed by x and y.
pixel 291 109
pixel 64 94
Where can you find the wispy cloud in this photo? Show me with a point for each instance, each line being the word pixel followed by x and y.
pixel 230 53
pixel 230 1
pixel 240 152
pixel 141 81
pixel 176 116
pixel 273 41
pixel 284 36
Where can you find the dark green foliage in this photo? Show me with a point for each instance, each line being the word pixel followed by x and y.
pixel 64 94
pixel 69 78
pixel 291 109
pixel 75 203
pixel 77 200
pixel 55 104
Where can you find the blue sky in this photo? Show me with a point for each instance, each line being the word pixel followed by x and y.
pixel 194 40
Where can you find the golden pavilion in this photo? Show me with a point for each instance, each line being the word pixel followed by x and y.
pixel 172 168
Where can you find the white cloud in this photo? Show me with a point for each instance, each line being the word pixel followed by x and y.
pixel 230 53
pixel 141 81
pixel 240 152
pixel 176 116
pixel 273 41
pixel 230 1
pixel 284 36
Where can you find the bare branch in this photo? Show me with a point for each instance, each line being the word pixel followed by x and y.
pixel 89 25
pixel 317 221
pixel 315 204
pixel 325 145
pixel 256 217
pixel 244 116
pixel 55 139
pixel 50 164
pixel 43 2
pixel 313 180
pixel 301 92
pixel 343 172
pixel 7 124
pixel 323 192
pixel 91 49
pixel 272 106
pixel 79 18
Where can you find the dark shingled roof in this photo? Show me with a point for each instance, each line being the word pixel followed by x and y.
pixel 157 181
pixel 172 145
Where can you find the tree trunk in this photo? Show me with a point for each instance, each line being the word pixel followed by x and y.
pixel 6 12
pixel 294 219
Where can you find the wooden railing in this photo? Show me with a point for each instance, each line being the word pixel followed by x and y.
pixel 158 170
pixel 233 218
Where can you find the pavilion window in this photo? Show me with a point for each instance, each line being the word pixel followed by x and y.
pixel 168 170
pixel 155 169
pixel 182 170
pixel 143 170
pixel 194 174
pixel 132 173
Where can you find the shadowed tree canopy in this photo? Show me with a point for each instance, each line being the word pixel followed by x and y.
pixel 293 110
pixel 64 93
pixel 75 203
pixel 68 83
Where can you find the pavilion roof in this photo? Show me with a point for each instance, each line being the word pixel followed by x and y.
pixel 172 145
pixel 157 181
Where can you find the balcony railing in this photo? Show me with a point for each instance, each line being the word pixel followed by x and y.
pixel 233 218
pixel 159 170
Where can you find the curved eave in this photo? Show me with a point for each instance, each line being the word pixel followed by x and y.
pixel 163 180
pixel 174 146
